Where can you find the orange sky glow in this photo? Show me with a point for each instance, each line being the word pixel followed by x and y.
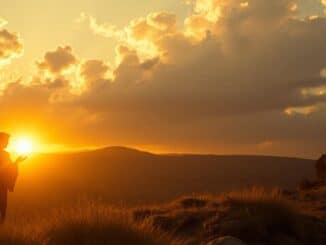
pixel 202 76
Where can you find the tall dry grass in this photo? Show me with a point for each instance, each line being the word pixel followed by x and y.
pixel 255 216
pixel 93 223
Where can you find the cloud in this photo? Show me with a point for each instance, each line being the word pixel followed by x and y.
pixel 11 45
pixel 58 61
pixel 236 71
pixel 95 73
pixel 105 29
pixel 141 33
pixel 324 3
pixel 306 110
pixel 248 60
pixel 3 22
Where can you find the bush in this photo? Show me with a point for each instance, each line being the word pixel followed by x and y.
pixel 258 216
pixel 192 202
pixel 310 184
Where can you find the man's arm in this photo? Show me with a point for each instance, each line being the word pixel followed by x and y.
pixel 20 159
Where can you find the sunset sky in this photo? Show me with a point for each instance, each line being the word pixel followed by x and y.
pixel 207 76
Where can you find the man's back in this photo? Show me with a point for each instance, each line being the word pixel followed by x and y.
pixel 4 158
pixel 4 163
pixel 8 172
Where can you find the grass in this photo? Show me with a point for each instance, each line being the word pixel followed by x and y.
pixel 254 216
pixel 310 184
pixel 93 223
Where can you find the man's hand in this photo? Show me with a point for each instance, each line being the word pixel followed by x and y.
pixel 20 159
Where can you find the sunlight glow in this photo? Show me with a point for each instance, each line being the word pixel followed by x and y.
pixel 23 146
pixel 305 110
pixel 244 4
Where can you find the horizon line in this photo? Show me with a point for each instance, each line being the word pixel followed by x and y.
pixel 139 149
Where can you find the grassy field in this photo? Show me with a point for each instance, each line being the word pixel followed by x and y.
pixel 86 223
pixel 256 216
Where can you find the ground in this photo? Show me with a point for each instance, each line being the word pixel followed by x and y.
pixel 256 216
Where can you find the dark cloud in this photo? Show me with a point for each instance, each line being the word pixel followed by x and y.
pixel 94 73
pixel 57 61
pixel 150 63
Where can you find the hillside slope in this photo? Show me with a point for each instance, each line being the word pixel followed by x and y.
pixel 255 216
pixel 122 175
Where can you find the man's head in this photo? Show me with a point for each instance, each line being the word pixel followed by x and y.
pixel 4 140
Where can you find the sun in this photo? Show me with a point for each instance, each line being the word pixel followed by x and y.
pixel 23 146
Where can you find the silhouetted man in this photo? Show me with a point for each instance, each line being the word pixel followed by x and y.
pixel 8 174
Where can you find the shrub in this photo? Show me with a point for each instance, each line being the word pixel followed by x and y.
pixel 257 216
pixel 310 184
pixel 192 202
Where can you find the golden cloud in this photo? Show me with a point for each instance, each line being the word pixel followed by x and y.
pixel 3 22
pixel 11 45
pixel 106 29
pixel 234 55
pixel 324 3
pixel 141 34
pixel 95 73
pixel 210 9
pixel 58 61
pixel 305 110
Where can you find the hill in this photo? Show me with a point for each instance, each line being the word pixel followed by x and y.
pixel 122 175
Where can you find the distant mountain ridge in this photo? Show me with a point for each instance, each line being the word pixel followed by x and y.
pixel 120 150
pixel 121 174
pixel 124 149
